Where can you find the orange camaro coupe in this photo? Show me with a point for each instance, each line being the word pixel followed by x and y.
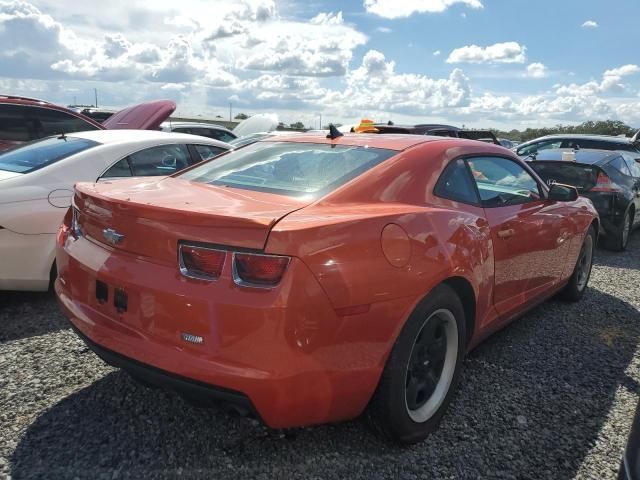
pixel 308 279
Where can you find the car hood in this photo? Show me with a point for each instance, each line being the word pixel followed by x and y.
pixel 263 122
pixel 144 116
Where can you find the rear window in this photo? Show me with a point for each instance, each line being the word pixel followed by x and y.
pixel 294 169
pixel 579 175
pixel 35 155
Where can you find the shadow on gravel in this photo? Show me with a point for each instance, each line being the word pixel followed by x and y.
pixel 531 404
pixel 29 314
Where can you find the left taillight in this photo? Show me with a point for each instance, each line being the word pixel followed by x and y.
pixel 202 263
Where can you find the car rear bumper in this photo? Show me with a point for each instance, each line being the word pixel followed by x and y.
pixel 286 352
pixel 156 377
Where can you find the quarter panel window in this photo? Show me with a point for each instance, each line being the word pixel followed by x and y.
pixel 618 164
pixel 160 160
pixel 120 169
pixel 207 152
pixel 502 182
pixel 456 183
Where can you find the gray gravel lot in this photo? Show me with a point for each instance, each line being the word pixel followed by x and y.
pixel 551 396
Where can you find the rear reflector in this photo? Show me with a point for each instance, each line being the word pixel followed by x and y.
pixel 254 270
pixel 604 184
pixel 201 262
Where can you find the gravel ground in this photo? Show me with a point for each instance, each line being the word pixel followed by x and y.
pixel 551 396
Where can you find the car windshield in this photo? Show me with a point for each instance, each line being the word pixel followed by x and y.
pixel 40 153
pixel 294 169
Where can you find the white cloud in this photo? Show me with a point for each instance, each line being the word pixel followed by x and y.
pixel 507 52
pixel 384 30
pixel 611 82
pixel 406 8
pixel 536 70
pixel 376 83
pixel 437 53
pixel 328 19
pixel 590 24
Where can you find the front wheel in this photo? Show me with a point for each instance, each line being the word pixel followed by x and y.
pixel 422 371
pixel 582 271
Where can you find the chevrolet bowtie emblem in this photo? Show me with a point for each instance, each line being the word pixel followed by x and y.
pixel 111 236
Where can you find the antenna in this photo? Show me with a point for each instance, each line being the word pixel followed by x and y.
pixel 334 132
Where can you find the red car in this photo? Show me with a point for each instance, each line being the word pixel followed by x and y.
pixel 307 278
pixel 23 119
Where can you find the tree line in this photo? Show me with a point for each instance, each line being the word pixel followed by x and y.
pixel 601 127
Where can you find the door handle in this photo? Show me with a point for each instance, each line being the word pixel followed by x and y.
pixel 506 233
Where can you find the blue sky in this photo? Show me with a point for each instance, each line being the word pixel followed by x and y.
pixel 508 63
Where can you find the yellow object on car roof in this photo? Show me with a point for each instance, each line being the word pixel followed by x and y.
pixel 366 126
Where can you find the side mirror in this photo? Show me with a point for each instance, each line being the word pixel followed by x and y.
pixel 562 193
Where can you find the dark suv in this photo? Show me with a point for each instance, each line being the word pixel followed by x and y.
pixel 23 119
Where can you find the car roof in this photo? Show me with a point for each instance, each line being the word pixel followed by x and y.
pixel 390 141
pixel 34 102
pixel 172 124
pixel 585 136
pixel 584 155
pixel 123 136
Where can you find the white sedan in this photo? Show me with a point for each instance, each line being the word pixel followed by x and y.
pixel 36 185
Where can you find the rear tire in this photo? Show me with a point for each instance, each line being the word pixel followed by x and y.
pixel 620 239
pixel 574 290
pixel 423 370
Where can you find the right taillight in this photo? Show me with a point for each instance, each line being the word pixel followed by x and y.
pixel 202 263
pixel 257 270
pixel 604 184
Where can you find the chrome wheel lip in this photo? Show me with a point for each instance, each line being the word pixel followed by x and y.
pixel 431 406
pixel 584 263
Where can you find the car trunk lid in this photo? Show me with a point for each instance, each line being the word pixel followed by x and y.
pixel 580 175
pixel 144 116
pixel 154 216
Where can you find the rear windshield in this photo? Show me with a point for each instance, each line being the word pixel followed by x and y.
pixel 40 153
pixel 293 169
pixel 579 175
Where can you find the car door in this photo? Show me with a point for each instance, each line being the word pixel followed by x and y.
pixel 529 233
pixel 154 161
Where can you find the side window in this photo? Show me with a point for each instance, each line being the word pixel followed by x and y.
pixel 456 183
pixel 632 164
pixel 536 147
pixel 160 160
pixel 120 169
pixel 184 130
pixel 502 182
pixel 14 126
pixel 619 164
pixel 52 122
pixel 207 152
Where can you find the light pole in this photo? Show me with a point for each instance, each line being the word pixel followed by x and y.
pixel 95 91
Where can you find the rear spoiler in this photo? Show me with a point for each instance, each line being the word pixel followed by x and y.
pixel 636 137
